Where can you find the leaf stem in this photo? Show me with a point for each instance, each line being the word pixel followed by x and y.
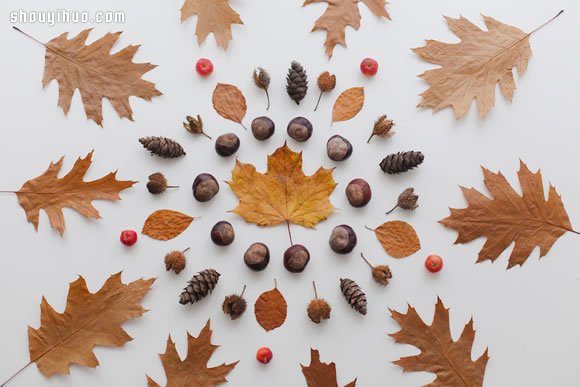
pixel 7 192
pixel 317 102
pixel 289 233
pixel 368 228
pixel 548 22
pixel 15 374
pixel 392 209
pixel 275 286
pixel 368 263
pixel 243 126
pixel 30 37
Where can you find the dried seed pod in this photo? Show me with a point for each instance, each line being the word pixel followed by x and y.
pixel 235 305
pixel 318 309
pixel 222 233
pixel 401 162
pixel 204 187
pixel 175 260
pixel 195 125
pixel 300 129
pixel 227 144
pixel 382 127
pixel 358 192
pixel 158 184
pixel 262 80
pixel 354 295
pixel 381 273
pixel 296 82
pixel 257 256
pixel 162 147
pixel 338 148
pixel 262 128
pixel 342 239
pixel 326 82
pixel 407 200
pixel 200 286
pixel 296 258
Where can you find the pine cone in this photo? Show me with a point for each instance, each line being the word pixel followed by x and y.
pixel 234 306
pixel 175 261
pixel 297 82
pixel 200 285
pixel 162 147
pixel 354 295
pixel 401 162
pixel 318 310
pixel 157 183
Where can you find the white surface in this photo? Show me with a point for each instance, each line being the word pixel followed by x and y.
pixel 528 317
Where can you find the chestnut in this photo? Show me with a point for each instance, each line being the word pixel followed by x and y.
pixel 227 144
pixel 257 256
pixel 338 148
pixel 300 129
pixel 342 239
pixel 262 128
pixel 358 192
pixel 204 187
pixel 222 233
pixel 296 258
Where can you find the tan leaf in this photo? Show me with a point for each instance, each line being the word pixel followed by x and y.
pixel 529 220
pixel 348 104
pixel 320 374
pixel 398 238
pixel 449 360
pixel 193 370
pixel 89 319
pixel 270 309
pixel 472 68
pixel 52 194
pixel 229 102
pixel 213 16
pixel 283 194
pixel 166 224
pixel 96 73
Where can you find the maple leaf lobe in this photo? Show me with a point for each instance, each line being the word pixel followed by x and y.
pixel 213 16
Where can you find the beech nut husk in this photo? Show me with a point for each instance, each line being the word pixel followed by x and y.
pixel 358 192
pixel 262 128
pixel 204 187
pixel 300 129
pixel 227 144
pixel 222 233
pixel 338 148
pixel 296 258
pixel 257 256
pixel 342 239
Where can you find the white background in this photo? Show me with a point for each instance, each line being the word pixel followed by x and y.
pixel 528 317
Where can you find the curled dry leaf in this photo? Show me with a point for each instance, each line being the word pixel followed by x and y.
pixel 320 374
pixel 529 219
pixel 193 370
pixel 89 319
pixel 449 360
pixel 271 309
pixel 398 238
pixel 213 16
pixel 348 104
pixel 229 102
pixel 52 194
pixel 166 224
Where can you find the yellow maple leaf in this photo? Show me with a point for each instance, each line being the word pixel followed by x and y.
pixel 284 194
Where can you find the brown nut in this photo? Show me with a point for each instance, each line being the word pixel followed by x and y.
pixel 262 128
pixel 296 258
pixel 358 193
pixel 338 148
pixel 257 256
pixel 342 239
pixel 300 129
pixel 222 233
pixel 227 144
pixel 204 187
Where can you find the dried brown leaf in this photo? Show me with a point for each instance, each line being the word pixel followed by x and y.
pixel 320 374
pixel 229 102
pixel 348 104
pixel 270 309
pixel 213 16
pixel 166 224
pixel 52 194
pixel 398 238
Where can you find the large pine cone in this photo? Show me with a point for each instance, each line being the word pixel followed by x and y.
pixel 401 162
pixel 354 295
pixel 297 82
pixel 201 285
pixel 162 147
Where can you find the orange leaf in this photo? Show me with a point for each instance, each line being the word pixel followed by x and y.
pixel 213 16
pixel 229 102
pixel 348 104
pixel 52 194
pixel 271 309
pixel 193 370
pixel 166 224
pixel 89 319
pixel 320 374
pixel 449 360
pixel 398 238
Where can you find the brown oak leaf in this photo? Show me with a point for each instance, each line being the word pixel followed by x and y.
pixel 320 374
pixel 52 194
pixel 398 238
pixel 284 194
pixel 229 102
pixel 529 219
pixel 96 73
pixel 193 370
pixel 340 14
pixel 449 360
pixel 89 319
pixel 348 104
pixel 213 16
pixel 166 224
pixel 271 309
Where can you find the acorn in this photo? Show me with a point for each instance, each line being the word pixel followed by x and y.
pixel 296 258
pixel 262 128
pixel 300 129
pixel 342 239
pixel 338 148
pixel 381 273
pixel 318 309
pixel 175 260
pixel 358 193
pixel 204 187
pixel 235 305
pixel 257 256
pixel 227 144
pixel 222 233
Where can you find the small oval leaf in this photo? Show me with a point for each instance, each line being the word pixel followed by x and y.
pixel 348 104
pixel 271 309
pixel 166 224
pixel 398 238
pixel 229 102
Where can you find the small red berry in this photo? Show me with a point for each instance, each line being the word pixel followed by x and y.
pixel 264 355
pixel 204 67
pixel 369 66
pixel 128 237
pixel 434 263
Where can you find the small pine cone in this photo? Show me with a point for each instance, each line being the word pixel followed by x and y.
pixel 382 127
pixel 162 147
pixel 326 81
pixel 382 274
pixel 318 310
pixel 401 162
pixel 200 285
pixel 175 261
pixel 296 82
pixel 157 183
pixel 261 78
pixel 354 295
pixel 234 306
